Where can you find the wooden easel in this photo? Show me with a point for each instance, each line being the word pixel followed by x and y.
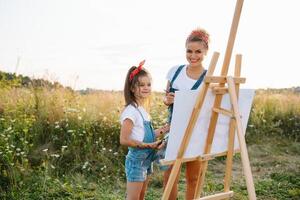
pixel 218 84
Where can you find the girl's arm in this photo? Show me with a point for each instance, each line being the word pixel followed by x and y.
pixel 127 141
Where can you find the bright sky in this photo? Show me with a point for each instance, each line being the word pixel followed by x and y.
pixel 92 43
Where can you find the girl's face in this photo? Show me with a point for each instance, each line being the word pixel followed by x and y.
pixel 195 53
pixel 143 88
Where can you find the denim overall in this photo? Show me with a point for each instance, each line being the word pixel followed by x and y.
pixel 195 86
pixel 138 162
pixel 161 153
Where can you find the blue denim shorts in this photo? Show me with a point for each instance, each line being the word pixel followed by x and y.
pixel 137 169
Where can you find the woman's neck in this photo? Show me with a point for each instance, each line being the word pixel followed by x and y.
pixel 194 71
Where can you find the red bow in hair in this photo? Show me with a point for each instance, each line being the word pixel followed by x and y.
pixel 137 70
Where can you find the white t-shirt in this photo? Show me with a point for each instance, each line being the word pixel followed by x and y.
pixel 182 82
pixel 130 112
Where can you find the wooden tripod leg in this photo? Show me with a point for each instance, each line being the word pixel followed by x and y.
pixel 242 142
pixel 230 152
pixel 207 148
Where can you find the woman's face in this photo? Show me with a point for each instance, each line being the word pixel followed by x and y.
pixel 195 53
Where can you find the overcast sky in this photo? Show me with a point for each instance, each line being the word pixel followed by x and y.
pixel 91 44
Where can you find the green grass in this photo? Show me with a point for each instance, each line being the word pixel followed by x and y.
pixel 60 144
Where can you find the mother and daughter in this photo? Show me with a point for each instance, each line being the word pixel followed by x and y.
pixel 136 130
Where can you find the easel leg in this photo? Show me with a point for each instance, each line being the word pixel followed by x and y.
pixel 243 147
pixel 172 178
pixel 230 153
pixel 229 158
pixel 207 148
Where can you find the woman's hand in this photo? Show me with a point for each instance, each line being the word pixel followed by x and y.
pixel 169 98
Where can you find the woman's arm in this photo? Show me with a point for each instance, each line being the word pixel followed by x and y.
pixel 169 96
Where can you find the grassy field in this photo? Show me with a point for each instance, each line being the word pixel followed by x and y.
pixel 59 144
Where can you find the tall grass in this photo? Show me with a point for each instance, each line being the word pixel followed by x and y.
pixel 275 114
pixel 48 134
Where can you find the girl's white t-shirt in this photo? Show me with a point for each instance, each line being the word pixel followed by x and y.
pixel 131 112
pixel 182 82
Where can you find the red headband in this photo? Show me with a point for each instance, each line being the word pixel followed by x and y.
pixel 137 70
pixel 202 35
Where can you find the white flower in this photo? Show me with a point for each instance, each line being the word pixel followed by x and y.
pixel 55 155
pixel 85 164
pixel 45 150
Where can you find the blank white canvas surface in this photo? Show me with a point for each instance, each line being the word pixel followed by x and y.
pixel 183 106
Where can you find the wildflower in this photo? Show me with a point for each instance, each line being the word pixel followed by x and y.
pixel 63 148
pixel 55 155
pixel 116 153
pixel 70 131
pixel 45 150
pixel 85 164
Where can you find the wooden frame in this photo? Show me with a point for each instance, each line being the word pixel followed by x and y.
pixel 235 123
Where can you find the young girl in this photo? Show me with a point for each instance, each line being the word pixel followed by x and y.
pixel 187 77
pixel 137 132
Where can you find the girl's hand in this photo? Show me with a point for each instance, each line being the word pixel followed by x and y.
pixel 159 133
pixel 161 144
pixel 166 128
pixel 152 145
pixel 169 98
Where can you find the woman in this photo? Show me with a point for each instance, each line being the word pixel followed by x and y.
pixel 187 77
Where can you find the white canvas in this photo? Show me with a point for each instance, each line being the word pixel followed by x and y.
pixel 183 106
